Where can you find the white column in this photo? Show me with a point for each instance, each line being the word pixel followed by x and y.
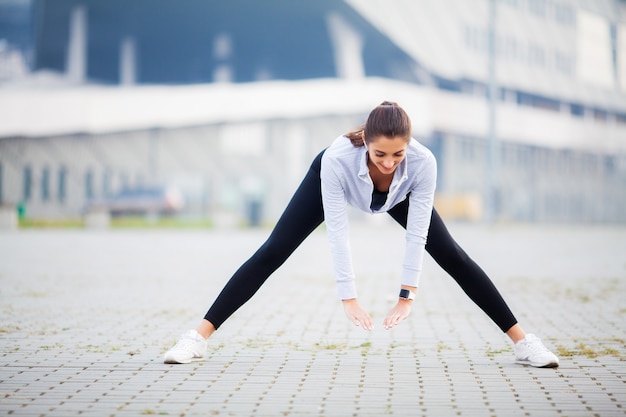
pixel 76 65
pixel 128 61
pixel 347 47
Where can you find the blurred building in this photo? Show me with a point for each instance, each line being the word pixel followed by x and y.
pixel 522 101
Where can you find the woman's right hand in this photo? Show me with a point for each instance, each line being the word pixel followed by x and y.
pixel 356 314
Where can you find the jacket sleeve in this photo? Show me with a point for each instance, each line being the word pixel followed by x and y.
pixel 418 221
pixel 337 228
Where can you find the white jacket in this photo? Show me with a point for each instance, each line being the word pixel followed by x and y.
pixel 345 180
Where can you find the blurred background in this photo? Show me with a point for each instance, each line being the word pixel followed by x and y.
pixel 209 112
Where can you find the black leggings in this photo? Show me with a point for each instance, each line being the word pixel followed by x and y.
pixel 304 213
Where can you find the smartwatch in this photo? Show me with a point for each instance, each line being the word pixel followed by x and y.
pixel 407 294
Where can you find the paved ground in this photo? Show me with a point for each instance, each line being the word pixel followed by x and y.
pixel 87 315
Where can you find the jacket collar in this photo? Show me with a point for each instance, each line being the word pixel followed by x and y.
pixel 364 170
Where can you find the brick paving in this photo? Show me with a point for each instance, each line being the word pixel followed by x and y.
pixel 86 316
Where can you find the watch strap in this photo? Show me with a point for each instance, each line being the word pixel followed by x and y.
pixel 407 294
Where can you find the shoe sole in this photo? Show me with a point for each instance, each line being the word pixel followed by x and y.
pixel 172 361
pixel 536 365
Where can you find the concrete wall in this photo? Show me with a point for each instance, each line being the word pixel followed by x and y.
pixel 227 146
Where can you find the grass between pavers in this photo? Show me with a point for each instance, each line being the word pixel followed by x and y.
pixel 128 222
pixel 589 348
pixel 580 350
pixel 599 350
pixel 150 412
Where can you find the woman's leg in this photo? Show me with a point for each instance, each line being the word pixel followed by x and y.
pixel 448 254
pixel 472 279
pixel 303 214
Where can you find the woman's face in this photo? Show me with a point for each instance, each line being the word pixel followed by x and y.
pixel 386 153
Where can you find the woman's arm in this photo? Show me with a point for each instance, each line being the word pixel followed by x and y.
pixel 418 222
pixel 338 230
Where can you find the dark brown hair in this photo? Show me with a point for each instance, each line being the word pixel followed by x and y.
pixel 387 119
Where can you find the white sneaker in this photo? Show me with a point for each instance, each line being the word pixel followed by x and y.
pixel 530 351
pixel 190 347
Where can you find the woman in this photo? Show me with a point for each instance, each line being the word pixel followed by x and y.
pixel 379 168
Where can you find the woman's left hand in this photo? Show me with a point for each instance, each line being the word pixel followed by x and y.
pixel 400 312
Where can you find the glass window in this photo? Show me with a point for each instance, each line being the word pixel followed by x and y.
pixel 577 109
pixel 89 185
pixel 538 7
pixel 600 115
pixel 563 62
pixel 106 183
pixel 563 13
pixel 27 185
pixel 62 185
pixel 45 184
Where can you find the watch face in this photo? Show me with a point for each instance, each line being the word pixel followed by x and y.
pixel 406 294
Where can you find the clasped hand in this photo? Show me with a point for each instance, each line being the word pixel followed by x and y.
pixel 359 317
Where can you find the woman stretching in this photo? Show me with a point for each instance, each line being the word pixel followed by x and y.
pixel 379 168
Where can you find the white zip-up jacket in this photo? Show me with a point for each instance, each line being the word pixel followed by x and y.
pixel 345 180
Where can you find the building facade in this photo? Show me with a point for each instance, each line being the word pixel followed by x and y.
pixel 523 102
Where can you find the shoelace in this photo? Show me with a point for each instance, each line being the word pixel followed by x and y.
pixel 537 347
pixel 185 342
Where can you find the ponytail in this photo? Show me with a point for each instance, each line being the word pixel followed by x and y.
pixel 388 119
pixel 357 137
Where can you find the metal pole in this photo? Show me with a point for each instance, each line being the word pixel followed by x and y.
pixel 492 156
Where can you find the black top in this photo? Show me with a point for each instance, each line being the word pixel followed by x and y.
pixel 378 199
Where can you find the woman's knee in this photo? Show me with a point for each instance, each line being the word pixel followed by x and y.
pixel 274 251
pixel 450 256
